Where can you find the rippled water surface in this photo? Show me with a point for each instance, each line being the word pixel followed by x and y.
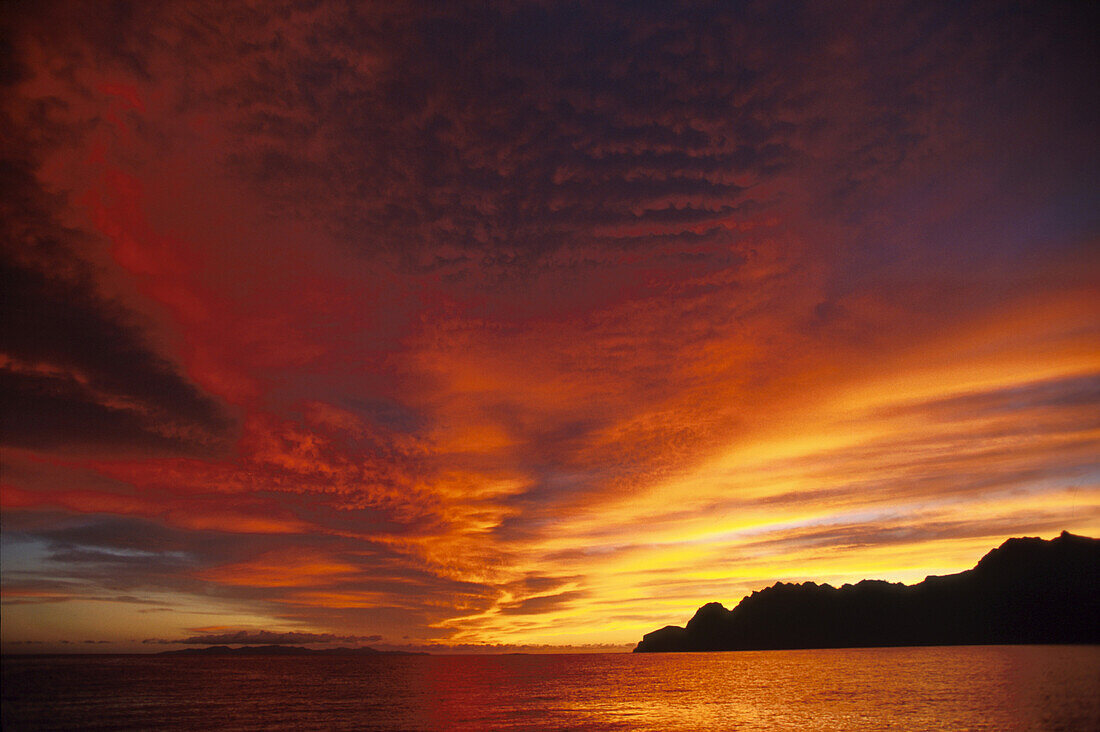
pixel 977 687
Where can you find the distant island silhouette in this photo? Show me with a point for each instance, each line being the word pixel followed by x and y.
pixel 285 651
pixel 1026 591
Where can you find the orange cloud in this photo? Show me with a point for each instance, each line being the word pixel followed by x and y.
pixel 298 568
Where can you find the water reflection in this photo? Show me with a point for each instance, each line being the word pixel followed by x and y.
pixel 991 687
pixel 988 687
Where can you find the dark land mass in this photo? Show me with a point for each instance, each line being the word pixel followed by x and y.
pixel 1025 591
pixel 284 651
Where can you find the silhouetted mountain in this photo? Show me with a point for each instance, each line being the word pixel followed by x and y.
pixel 1025 591
pixel 283 651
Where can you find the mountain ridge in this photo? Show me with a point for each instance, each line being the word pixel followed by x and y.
pixel 1027 590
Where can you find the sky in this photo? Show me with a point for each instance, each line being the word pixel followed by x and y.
pixel 532 325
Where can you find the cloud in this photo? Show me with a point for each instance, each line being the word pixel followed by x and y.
pixel 33 591
pixel 500 158
pixel 76 369
pixel 1042 399
pixel 542 603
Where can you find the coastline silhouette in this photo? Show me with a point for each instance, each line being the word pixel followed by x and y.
pixel 1027 591
pixel 278 650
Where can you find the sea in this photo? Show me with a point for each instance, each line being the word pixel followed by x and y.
pixel 943 688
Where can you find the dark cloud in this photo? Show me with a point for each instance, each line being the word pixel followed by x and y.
pixel 1066 396
pixel 117 558
pixel 500 133
pixel 539 583
pixel 118 535
pixel 511 132
pixel 543 603
pixel 36 591
pixel 77 368
pixel 79 375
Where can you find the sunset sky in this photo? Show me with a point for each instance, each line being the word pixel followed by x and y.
pixel 524 324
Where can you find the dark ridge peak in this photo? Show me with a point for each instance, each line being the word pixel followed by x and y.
pixel 712 607
pixel 869 584
pixel 708 612
pixel 1031 552
pixel 1025 591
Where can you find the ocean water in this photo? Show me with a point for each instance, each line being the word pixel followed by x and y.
pixel 957 688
